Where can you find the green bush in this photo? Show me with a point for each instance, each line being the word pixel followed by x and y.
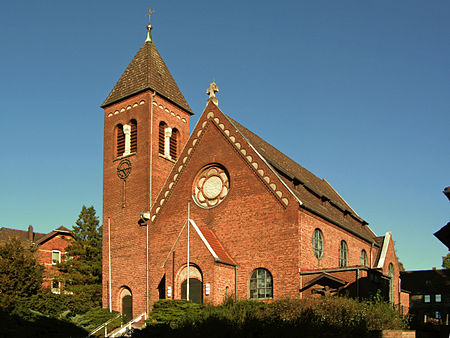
pixel 324 317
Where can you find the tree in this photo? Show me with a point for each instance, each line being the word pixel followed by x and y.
pixel 446 261
pixel 20 273
pixel 82 267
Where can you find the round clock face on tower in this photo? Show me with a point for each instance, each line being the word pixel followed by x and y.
pixel 124 169
pixel 211 186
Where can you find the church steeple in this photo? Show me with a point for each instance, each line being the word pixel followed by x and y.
pixel 147 71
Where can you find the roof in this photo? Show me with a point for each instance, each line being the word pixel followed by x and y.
pixel 426 281
pixel 326 278
pixel 21 235
pixel 444 235
pixel 46 237
pixel 147 71
pixel 310 190
pixel 216 246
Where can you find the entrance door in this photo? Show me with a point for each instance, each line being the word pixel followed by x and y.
pixel 127 307
pixel 195 290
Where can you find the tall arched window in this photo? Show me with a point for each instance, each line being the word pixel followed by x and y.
pixel 317 243
pixel 363 258
pixel 174 144
pixel 133 141
pixel 261 286
pixel 161 137
pixel 343 254
pixel 120 140
pixel 391 282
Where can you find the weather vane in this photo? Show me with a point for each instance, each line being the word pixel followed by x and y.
pixel 149 14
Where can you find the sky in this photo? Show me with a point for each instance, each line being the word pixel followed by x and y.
pixel 357 92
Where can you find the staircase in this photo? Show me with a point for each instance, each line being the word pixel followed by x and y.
pixel 124 330
pixel 121 331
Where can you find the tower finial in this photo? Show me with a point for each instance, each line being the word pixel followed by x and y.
pixel 211 91
pixel 149 27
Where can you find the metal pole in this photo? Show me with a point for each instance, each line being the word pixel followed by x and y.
pixel 147 296
pixel 187 285
pixel 109 262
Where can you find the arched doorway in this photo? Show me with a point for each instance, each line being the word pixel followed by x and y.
pixel 195 284
pixel 195 290
pixel 126 299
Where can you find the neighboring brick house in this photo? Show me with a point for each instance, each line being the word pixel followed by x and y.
pixel 429 294
pixel 51 249
pixel 260 225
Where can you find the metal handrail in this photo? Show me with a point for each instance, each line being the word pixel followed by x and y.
pixel 103 325
pixel 128 325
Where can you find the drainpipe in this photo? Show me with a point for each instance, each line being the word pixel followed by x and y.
pixel 371 260
pixel 109 263
pixel 299 261
pixel 357 283
pixel 150 202
pixel 235 283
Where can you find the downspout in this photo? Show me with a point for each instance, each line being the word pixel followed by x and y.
pixel 235 283
pixel 299 260
pixel 150 202
pixel 371 259
pixel 109 263
pixel 357 283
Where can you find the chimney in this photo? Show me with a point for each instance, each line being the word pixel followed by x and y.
pixel 30 233
pixel 434 268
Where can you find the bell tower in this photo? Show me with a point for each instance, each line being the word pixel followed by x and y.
pixel 145 128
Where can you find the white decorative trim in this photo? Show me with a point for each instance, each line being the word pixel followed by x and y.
pixel 384 249
pixel 213 253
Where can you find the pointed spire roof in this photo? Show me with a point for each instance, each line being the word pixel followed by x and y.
pixel 147 71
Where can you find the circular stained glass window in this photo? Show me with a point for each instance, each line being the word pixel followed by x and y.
pixel 211 186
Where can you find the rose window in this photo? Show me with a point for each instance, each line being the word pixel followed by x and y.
pixel 211 186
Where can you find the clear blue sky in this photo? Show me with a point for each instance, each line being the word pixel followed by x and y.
pixel 358 92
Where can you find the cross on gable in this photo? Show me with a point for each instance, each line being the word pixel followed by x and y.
pixel 211 91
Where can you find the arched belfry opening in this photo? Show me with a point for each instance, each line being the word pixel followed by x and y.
pixel 126 303
pixel 195 283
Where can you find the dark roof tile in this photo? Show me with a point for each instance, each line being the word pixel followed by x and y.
pixel 147 70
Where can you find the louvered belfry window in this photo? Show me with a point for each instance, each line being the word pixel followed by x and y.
pixel 120 141
pixel 133 141
pixel 173 144
pixel 162 127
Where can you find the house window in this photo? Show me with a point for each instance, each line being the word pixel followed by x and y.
pixel 363 258
pixel 56 286
pixel 56 257
pixel 133 137
pixel 426 298
pixel 120 140
pixel 317 243
pixel 343 254
pixel 261 286
pixel 391 270
pixel 161 138
pixel 437 298
pixel 173 144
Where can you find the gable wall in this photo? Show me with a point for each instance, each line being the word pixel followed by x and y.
pixel 255 228
pixel 57 242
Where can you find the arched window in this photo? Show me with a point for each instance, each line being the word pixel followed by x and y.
pixel 161 137
pixel 133 141
pixel 363 258
pixel 261 286
pixel 174 144
pixel 120 140
pixel 343 254
pixel 391 270
pixel 317 243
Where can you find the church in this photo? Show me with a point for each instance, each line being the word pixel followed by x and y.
pixel 219 212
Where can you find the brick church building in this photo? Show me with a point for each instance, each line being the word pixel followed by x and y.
pixel 251 222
